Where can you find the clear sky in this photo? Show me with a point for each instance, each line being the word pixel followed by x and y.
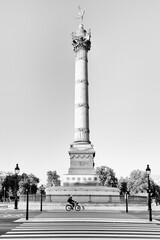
pixel 37 84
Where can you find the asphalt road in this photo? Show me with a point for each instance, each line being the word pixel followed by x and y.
pixel 6 225
pixel 100 214
pixel 93 214
pixel 8 217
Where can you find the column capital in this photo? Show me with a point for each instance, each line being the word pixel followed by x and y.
pixel 81 39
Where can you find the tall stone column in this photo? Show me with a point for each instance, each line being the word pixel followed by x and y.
pixel 81 171
pixel 81 46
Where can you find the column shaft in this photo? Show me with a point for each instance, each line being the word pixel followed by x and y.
pixel 81 97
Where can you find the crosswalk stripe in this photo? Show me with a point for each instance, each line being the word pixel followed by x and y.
pixel 74 230
pixel 115 236
pixel 77 229
pixel 111 220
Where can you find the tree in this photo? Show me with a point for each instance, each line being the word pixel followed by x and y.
pixel 156 193
pixel 11 182
pixel 107 176
pixel 20 183
pixel 123 185
pixel 53 179
pixel 138 182
pixel 2 187
pixel 29 182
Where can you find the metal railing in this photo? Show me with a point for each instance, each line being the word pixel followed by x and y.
pixel 95 199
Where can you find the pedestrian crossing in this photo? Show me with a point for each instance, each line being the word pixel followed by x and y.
pixel 83 229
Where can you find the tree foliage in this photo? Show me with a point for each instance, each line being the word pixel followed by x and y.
pixel 138 182
pixel 107 176
pixel 156 193
pixel 19 183
pixel 2 179
pixel 29 182
pixel 53 179
pixel 11 183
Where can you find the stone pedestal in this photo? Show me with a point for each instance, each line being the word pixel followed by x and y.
pixel 81 171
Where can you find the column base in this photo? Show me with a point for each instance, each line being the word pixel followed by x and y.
pixel 80 180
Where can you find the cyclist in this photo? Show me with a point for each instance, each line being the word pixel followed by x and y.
pixel 71 201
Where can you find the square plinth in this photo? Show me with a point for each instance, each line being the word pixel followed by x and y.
pixel 80 180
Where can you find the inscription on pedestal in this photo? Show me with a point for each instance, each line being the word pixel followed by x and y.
pixel 83 163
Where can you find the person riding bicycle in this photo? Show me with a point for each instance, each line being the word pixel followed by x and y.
pixel 71 201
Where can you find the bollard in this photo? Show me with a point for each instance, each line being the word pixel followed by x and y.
pixel 126 197
pixel 42 189
pixel 90 199
pixel 41 202
pixel 27 204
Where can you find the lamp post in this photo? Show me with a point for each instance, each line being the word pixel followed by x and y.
pixel 148 172
pixel 16 170
pixel 41 191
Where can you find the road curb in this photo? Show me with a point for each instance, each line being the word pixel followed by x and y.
pixel 106 220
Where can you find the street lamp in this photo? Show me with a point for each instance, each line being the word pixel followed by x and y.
pixel 16 170
pixel 148 172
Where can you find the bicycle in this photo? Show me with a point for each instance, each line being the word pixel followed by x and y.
pixel 76 207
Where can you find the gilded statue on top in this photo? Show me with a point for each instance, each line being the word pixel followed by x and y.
pixel 81 14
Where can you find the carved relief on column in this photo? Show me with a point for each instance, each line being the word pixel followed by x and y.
pixel 82 134
pixel 81 105
pixel 81 81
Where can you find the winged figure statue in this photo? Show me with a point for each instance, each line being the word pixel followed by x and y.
pixel 81 14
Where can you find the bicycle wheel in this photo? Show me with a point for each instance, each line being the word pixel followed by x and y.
pixel 68 207
pixel 78 208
